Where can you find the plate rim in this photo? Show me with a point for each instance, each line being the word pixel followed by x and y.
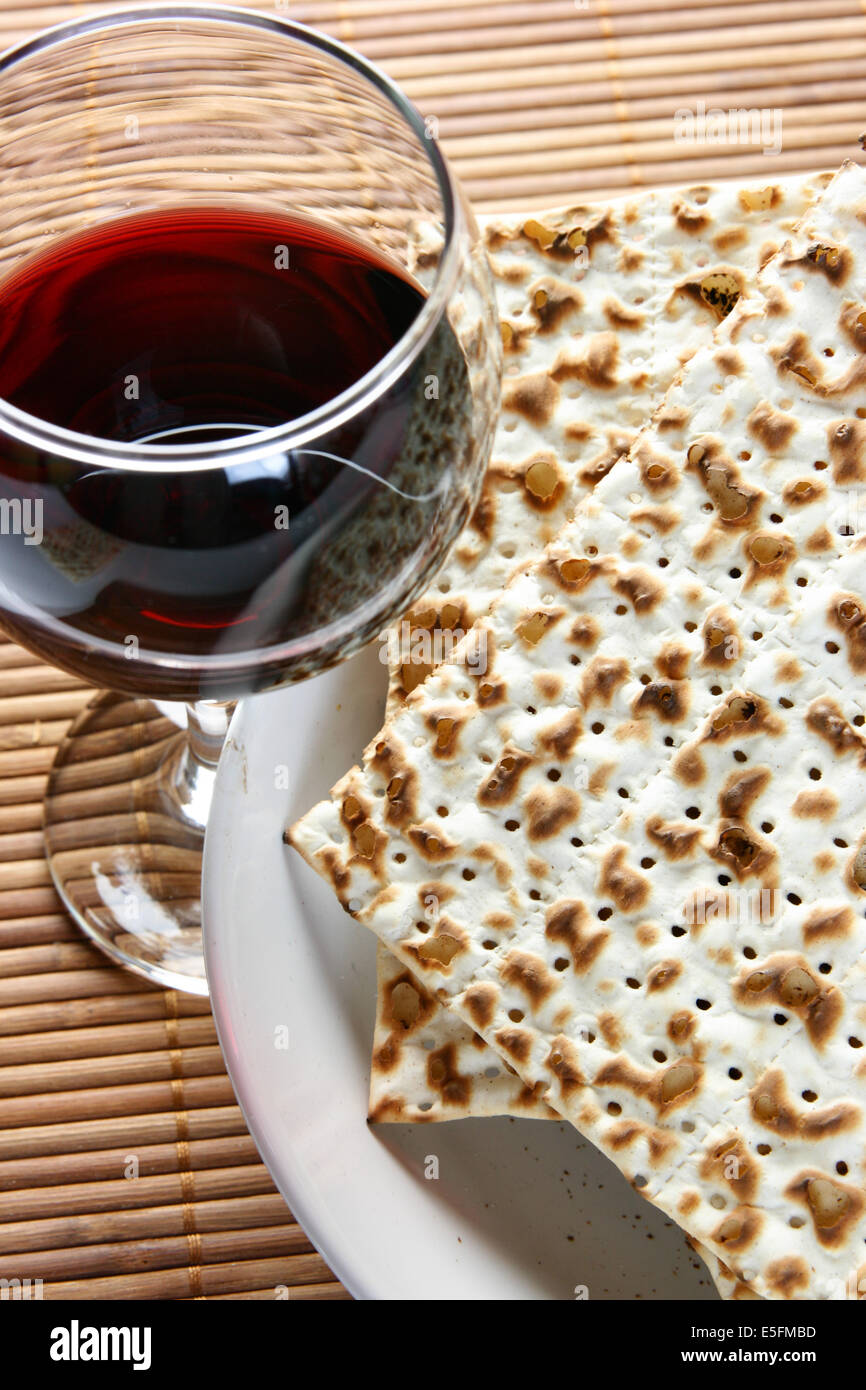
pixel 289 1182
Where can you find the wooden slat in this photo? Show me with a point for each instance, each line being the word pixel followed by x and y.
pixel 47 1015
pixel 76 1074
pixel 163 1253
pixel 113 1102
pixel 286 1272
pixel 431 80
pixel 77 1136
pixel 65 704
pixel 67 984
pixel 22 844
pixel 234 1213
pixel 49 928
pixel 105 1165
pixel 112 1040
pixel 129 1194
pixel 227 1214
pixel 332 1292
pixel 15 817
pixel 40 959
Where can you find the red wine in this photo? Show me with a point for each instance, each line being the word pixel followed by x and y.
pixel 195 326
pixel 153 327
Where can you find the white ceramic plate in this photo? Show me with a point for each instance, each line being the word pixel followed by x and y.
pixel 521 1209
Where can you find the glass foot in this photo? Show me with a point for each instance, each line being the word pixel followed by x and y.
pixel 125 813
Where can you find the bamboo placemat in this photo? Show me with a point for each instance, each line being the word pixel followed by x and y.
pixel 126 1170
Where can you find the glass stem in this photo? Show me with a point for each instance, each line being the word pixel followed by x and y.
pixel 195 770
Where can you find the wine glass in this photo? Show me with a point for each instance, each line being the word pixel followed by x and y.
pixel 249 371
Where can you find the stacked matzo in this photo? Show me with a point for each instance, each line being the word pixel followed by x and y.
pixel 636 283
pixel 600 306
pixel 564 819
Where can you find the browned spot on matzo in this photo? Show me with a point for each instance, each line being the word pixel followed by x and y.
pixel 548 811
pixel 501 786
pixel 831 260
pixel 675 840
pixel 741 716
pixel 773 428
pixel 846 442
pixel 784 981
pixel 560 738
pixel 741 791
pixel 825 719
pixel 601 680
pixel 663 975
pixel 621 315
pixel 729 1161
pixel 445 726
pixel 835 1207
pixel 517 1042
pixel 553 302
pixel 432 843
pixel 848 615
pixel 528 973
pixel 443 1075
pixel 543 481
pixel 802 492
pixel 737 1231
pixel 744 852
pixel 594 363
pixel 667 700
pixel 562 1060
pixel 568 923
pixel 736 501
pixel 534 626
pixel 769 554
pixel 673 661
pixel 721 638
pixel 774 1109
pixel 828 924
pixel 480 1000
pixel 787 1277
pixel 628 888
pixel 534 397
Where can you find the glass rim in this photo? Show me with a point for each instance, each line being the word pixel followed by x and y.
pixel 120 456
